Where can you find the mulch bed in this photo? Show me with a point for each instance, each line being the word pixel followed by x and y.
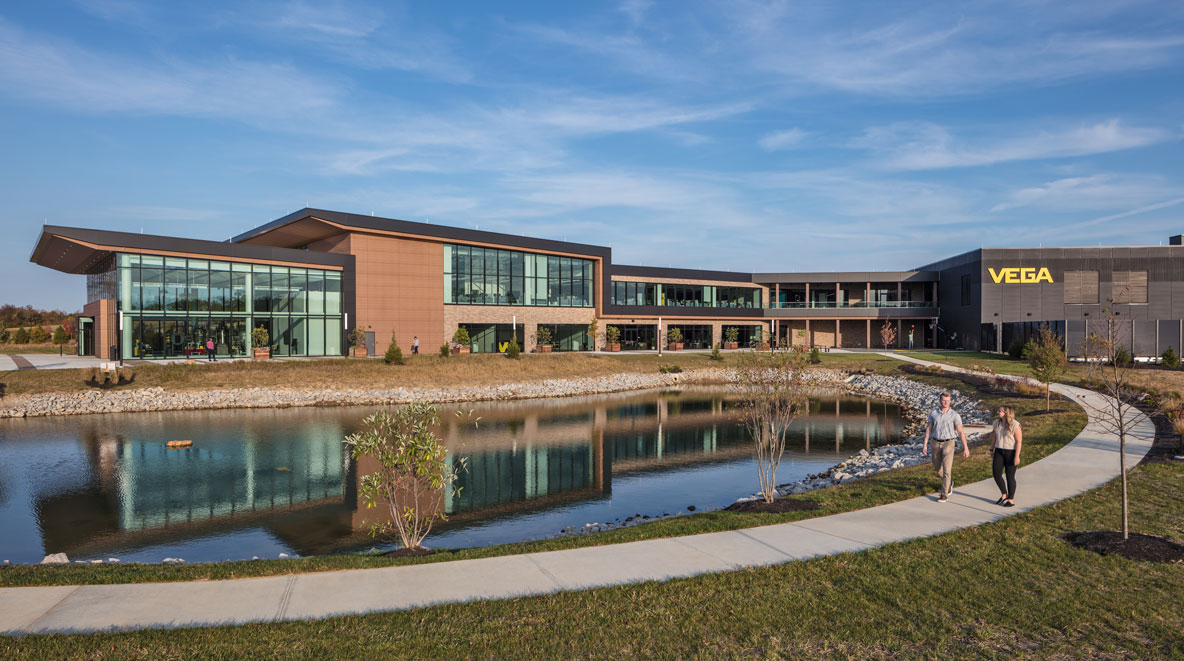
pixel 1167 441
pixel 776 507
pixel 409 553
pixel 1136 547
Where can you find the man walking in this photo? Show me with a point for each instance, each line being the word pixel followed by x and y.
pixel 946 427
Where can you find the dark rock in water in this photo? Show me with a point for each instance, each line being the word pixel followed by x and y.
pixel 690 508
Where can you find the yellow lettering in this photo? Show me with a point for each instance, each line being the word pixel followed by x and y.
pixel 1025 275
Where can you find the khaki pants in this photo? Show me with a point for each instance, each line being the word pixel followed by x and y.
pixel 943 463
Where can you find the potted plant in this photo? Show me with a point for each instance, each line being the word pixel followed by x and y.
pixel 731 337
pixel 543 339
pixel 357 341
pixel 461 341
pixel 674 338
pixel 612 335
pixel 260 347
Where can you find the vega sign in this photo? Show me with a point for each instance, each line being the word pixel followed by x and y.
pixel 1026 275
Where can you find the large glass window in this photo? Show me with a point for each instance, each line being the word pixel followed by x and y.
pixel 679 295
pixel 172 306
pixel 487 276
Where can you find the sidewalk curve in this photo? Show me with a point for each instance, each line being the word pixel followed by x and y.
pixel 1085 463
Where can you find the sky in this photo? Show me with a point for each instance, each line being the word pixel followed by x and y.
pixel 736 135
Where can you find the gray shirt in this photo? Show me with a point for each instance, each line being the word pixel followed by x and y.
pixel 944 425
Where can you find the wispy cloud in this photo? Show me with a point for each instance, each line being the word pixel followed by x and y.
pixel 779 140
pixel 926 146
pixel 1089 193
pixel 79 78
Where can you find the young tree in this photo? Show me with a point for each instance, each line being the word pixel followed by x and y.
pixel 612 335
pixel 888 334
pixel 1118 414
pixel 394 354
pixel 21 336
pixel 772 395
pixel 513 350
pixel 413 469
pixel 60 338
pixel 1047 360
pixel 5 336
pixel 1170 358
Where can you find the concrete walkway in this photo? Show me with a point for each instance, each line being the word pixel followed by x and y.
pixel 46 361
pixel 1088 461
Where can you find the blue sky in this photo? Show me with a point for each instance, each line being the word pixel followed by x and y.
pixel 765 136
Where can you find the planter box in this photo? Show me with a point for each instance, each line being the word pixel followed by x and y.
pixel 612 347
pixel 357 352
pixel 544 348
pixel 674 346
pixel 763 346
pixel 462 350
pixel 261 353
pixel 731 345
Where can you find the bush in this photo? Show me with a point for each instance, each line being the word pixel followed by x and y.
pixel 60 336
pixel 21 336
pixel 612 334
pixel 1028 390
pixel 461 337
pixel 674 335
pixel 1171 359
pixel 1016 350
pixel 815 356
pixel 445 350
pixel 715 354
pixel 731 334
pixel 669 369
pixel 357 338
pixel 413 468
pixel 513 351
pixel 260 338
pixel 5 336
pixel 394 354
pixel 1122 356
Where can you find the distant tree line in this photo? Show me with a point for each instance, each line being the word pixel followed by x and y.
pixel 28 325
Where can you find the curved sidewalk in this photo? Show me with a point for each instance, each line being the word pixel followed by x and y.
pixel 1085 463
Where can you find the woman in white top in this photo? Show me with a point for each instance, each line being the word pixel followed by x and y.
pixel 1009 438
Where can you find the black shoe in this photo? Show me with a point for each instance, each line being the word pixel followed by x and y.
pixel 1009 504
pixel 1001 500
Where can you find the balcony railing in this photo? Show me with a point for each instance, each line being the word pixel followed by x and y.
pixel 831 305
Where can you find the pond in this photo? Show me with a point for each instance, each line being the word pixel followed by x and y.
pixel 270 481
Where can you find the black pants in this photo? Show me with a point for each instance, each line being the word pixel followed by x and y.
pixel 1004 461
pixel 209 354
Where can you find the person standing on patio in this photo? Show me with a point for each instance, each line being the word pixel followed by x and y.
pixel 415 345
pixel 911 328
pixel 945 425
pixel 210 348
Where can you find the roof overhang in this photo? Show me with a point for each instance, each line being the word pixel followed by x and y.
pixel 82 250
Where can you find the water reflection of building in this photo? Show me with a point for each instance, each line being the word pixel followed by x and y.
pixel 141 490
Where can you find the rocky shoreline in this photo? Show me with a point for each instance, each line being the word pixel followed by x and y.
pixel 160 399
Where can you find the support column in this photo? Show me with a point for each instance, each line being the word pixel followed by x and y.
pixel 809 303
pixel 838 293
pixel 809 335
pixel 867 295
pixel 899 330
pixel 838 337
pixel 869 335
pixel 776 295
pixel 899 291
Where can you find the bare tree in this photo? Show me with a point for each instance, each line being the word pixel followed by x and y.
pixel 1118 414
pixel 772 396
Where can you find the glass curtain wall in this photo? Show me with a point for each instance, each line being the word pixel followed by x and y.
pixel 488 276
pixel 687 296
pixel 170 306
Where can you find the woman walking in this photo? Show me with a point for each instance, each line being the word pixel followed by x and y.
pixel 1009 438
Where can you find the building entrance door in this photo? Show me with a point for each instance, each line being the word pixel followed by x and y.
pixel 86 336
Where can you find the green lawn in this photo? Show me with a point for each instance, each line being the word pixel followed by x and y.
pixel 1044 434
pixel 1002 590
